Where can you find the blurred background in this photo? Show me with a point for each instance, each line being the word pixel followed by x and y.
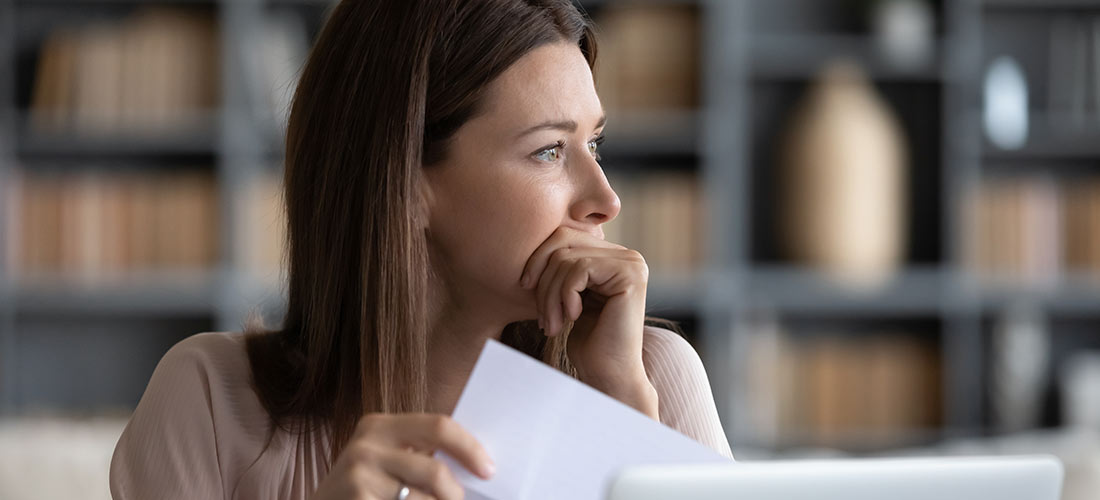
pixel 877 220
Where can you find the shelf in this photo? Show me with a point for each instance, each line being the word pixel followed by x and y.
pixel 198 141
pixel 633 133
pixel 1070 296
pixel 1049 138
pixel 858 442
pixel 804 56
pixel 155 293
pixel 1041 4
pixel 918 291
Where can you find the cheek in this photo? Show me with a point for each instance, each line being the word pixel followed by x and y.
pixel 541 209
pixel 517 218
pixel 491 229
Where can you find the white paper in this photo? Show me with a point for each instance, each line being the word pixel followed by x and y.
pixel 553 437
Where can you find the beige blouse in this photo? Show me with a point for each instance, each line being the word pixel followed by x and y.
pixel 200 430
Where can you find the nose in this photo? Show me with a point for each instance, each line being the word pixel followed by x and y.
pixel 595 203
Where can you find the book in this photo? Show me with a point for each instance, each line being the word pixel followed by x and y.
pixel 264 229
pixel 842 389
pixel 649 57
pixel 1030 230
pixel 96 225
pixel 154 72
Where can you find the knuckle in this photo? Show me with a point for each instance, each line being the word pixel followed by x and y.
pixel 362 454
pixel 561 254
pixel 441 426
pixel 358 477
pixel 439 477
pixel 369 454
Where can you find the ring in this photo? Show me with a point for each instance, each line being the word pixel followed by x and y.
pixel 403 493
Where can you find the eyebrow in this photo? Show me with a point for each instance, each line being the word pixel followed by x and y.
pixel 567 125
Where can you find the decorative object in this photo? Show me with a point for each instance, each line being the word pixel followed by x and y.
pixel 903 31
pixel 1020 357
pixel 843 164
pixel 1080 383
pixel 1004 111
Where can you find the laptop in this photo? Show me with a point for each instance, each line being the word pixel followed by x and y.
pixel 978 478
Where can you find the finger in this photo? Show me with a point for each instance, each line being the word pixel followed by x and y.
pixel 553 304
pixel 598 276
pixel 549 295
pixel 561 237
pixel 544 291
pixel 539 259
pixel 574 283
pixel 415 494
pixel 419 472
pixel 379 483
pixel 430 432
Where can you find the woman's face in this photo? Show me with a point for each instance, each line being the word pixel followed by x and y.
pixel 516 172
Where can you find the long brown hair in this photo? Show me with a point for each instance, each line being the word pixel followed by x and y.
pixel 387 83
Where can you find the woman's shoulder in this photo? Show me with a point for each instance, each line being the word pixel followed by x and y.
pixel 683 388
pixel 217 357
pixel 206 377
pixel 198 424
pixel 209 350
pixel 215 363
pixel 213 366
pixel 669 349
pixel 673 366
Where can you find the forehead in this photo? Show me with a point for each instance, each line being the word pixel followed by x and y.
pixel 550 82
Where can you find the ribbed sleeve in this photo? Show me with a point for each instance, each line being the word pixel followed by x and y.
pixel 683 389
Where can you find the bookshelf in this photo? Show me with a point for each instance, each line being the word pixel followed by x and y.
pixel 773 50
pixel 755 59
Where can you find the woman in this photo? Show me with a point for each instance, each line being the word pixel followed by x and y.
pixel 442 188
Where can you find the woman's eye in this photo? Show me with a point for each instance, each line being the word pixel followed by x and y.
pixel 594 147
pixel 551 154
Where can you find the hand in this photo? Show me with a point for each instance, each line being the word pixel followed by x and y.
pixel 601 287
pixel 389 450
